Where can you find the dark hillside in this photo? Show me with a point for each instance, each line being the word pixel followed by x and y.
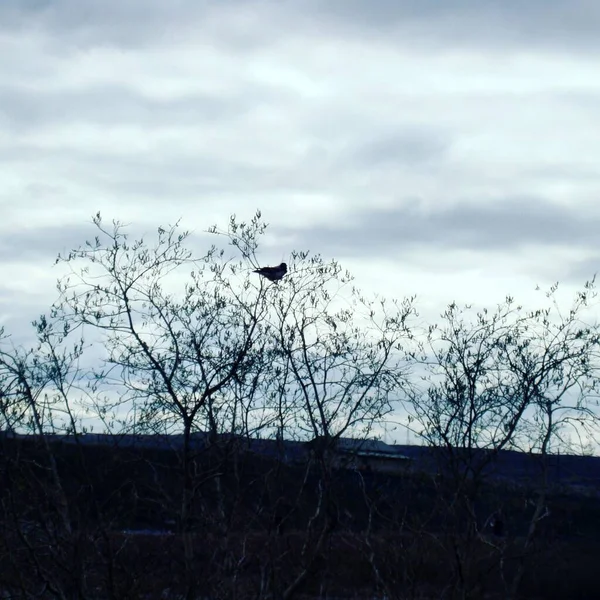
pixel 114 513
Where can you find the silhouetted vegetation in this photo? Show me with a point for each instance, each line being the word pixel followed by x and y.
pixel 236 458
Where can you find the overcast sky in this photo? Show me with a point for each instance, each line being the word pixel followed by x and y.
pixel 445 149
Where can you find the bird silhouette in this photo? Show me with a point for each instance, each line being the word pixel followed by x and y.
pixel 272 273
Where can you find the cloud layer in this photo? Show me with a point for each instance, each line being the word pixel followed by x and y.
pixel 425 137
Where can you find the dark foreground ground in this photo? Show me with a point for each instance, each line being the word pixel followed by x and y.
pixel 118 519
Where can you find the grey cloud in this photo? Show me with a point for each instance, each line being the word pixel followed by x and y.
pixel 340 140
pixel 507 224
pixel 582 172
pixel 131 24
pixel 428 24
pixel 112 105
pixel 16 314
pixel 166 176
pixel 433 24
pixel 43 244
pixel 83 19
pixel 410 147
pixel 583 270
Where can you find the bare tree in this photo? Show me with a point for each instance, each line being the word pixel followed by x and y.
pixel 39 389
pixel 336 364
pixel 174 358
pixel 339 361
pixel 497 380
pixel 238 373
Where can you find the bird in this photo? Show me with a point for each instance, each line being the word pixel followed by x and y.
pixel 272 273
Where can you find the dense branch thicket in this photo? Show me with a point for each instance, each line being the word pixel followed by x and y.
pixel 231 400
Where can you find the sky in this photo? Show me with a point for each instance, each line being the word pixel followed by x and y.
pixel 444 149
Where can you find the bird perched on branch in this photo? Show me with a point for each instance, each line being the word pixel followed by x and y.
pixel 273 273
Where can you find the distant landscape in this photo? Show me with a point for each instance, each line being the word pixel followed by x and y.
pixel 389 522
